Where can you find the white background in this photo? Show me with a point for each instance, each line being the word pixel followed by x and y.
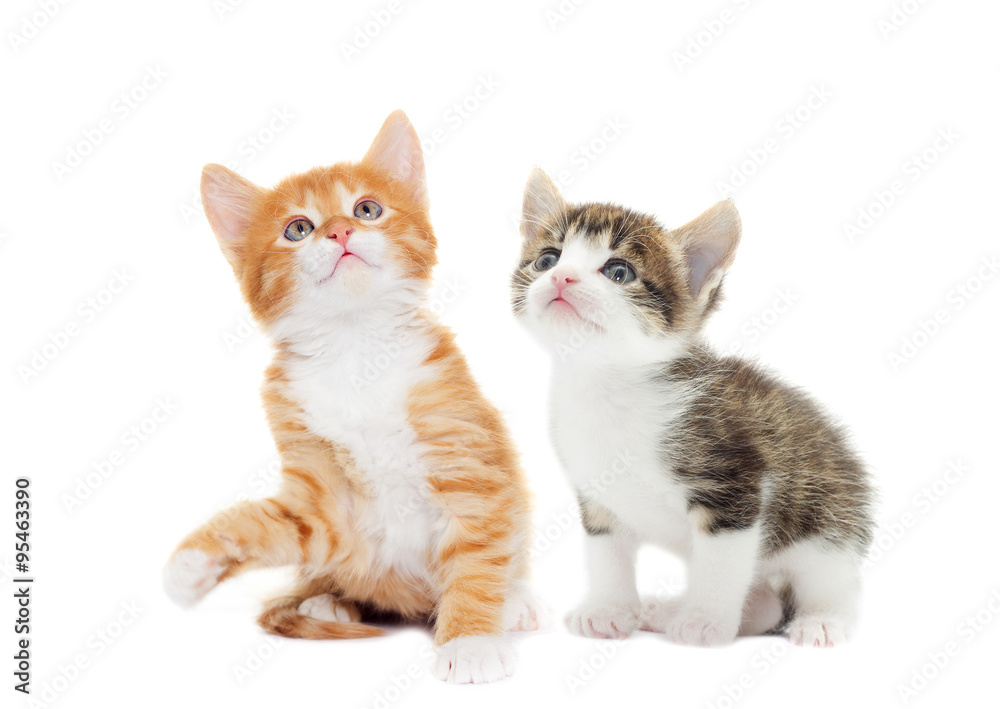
pixel 176 333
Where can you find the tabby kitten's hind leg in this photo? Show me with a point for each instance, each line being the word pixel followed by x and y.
pixel 825 585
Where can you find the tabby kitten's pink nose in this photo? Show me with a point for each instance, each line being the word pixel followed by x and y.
pixel 563 279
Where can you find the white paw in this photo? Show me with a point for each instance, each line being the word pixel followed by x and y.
pixel 688 625
pixel 525 611
pixel 189 575
pixel 326 607
pixel 817 632
pixel 474 660
pixel 592 620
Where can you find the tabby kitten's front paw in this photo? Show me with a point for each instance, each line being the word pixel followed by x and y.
pixel 524 611
pixel 813 631
pixel 189 575
pixel 687 624
pixel 474 659
pixel 594 620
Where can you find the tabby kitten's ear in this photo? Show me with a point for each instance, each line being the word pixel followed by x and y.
pixel 397 150
pixel 541 200
pixel 709 242
pixel 228 200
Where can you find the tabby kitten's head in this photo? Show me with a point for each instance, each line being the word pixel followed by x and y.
pixel 603 279
pixel 333 242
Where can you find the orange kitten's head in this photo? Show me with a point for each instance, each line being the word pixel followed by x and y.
pixel 333 242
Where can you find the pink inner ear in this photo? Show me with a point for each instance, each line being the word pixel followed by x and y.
pixel 397 150
pixel 541 200
pixel 228 200
pixel 710 243
pixel 702 261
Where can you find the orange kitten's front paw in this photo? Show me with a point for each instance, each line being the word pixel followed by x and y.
pixel 474 660
pixel 603 620
pixel 189 575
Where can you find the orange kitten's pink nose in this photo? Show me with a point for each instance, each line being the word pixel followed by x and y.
pixel 340 232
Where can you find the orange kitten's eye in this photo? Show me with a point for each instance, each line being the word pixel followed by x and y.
pixel 298 230
pixel 368 209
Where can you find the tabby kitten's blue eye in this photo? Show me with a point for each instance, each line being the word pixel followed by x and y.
pixel 298 230
pixel 368 209
pixel 547 260
pixel 619 272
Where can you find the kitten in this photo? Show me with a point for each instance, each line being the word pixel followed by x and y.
pixel 402 493
pixel 666 442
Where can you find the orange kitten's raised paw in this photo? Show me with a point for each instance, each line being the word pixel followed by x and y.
pixel 474 660
pixel 817 632
pixel 189 575
pixel 326 607
pixel 603 621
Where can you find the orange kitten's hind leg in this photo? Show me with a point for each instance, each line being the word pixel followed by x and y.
pixel 319 617
pixel 267 532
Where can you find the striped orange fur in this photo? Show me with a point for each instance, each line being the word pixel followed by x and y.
pixel 467 529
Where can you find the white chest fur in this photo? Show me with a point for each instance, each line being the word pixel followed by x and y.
pixel 609 429
pixel 353 388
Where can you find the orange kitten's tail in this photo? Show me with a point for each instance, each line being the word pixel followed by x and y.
pixel 282 617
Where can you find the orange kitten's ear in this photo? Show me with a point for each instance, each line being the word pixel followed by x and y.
pixel 541 200
pixel 709 243
pixel 228 200
pixel 396 149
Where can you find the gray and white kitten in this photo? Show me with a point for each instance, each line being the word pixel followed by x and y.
pixel 668 443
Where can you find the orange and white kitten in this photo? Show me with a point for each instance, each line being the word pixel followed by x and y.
pixel 401 490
